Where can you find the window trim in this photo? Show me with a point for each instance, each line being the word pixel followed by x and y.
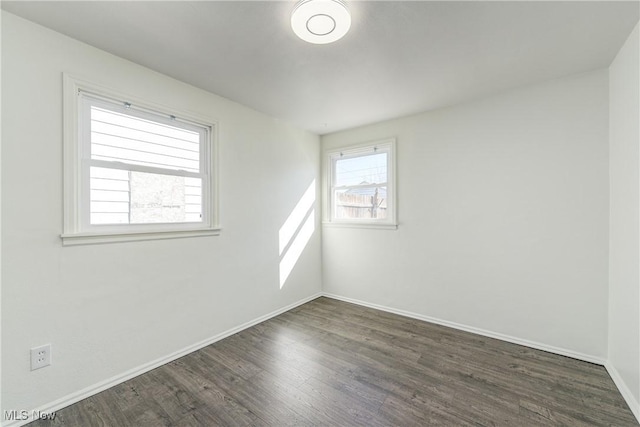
pixel 330 157
pixel 76 230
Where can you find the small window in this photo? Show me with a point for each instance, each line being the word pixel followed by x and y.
pixel 137 172
pixel 361 185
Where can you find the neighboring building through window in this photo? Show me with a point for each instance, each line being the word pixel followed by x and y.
pixel 136 170
pixel 361 185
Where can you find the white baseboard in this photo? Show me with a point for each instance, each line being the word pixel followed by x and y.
pixel 634 405
pixel 474 330
pixel 118 379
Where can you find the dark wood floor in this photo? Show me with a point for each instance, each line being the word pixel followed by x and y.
pixel 332 363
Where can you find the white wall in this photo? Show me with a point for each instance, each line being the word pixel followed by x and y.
pixel 624 265
pixel 503 218
pixel 107 309
pixel 0 221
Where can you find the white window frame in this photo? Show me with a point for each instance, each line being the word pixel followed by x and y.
pixel 77 229
pixel 332 156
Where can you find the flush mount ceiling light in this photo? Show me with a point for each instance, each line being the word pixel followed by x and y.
pixel 320 21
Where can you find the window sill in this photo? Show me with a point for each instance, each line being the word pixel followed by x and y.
pixel 386 226
pixel 100 238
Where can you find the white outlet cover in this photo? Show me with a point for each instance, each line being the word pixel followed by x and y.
pixel 40 357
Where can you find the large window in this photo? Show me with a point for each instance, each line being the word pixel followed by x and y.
pixel 360 185
pixel 134 171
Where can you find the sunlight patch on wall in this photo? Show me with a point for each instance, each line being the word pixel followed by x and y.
pixel 296 217
pixel 293 237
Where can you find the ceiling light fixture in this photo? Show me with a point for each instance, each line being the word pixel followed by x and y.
pixel 320 21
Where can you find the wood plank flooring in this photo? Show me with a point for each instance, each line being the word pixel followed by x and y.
pixel 330 363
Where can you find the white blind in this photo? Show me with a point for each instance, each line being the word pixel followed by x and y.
pixel 124 138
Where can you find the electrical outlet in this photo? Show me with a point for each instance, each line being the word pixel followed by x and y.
pixel 40 357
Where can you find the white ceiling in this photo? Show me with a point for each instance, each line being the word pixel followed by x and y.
pixel 399 57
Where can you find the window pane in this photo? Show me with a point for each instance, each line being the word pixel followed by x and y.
pixel 163 198
pixel 192 200
pixel 129 139
pixel 361 203
pixel 366 169
pixel 130 197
